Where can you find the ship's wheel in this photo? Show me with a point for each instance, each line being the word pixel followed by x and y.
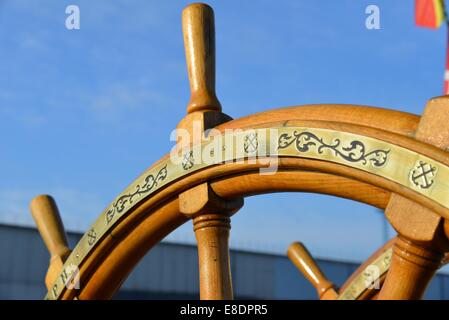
pixel 391 160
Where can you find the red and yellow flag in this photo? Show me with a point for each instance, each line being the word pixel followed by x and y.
pixel 429 13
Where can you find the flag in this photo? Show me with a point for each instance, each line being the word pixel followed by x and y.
pixel 429 13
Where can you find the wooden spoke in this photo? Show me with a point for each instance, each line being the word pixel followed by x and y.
pixel 48 221
pixel 303 260
pixel 199 39
pixel 412 267
pixel 211 224
pixel 212 235
pixel 421 244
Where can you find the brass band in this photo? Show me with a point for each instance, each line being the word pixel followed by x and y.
pixel 366 278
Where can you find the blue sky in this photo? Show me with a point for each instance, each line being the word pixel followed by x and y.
pixel 84 112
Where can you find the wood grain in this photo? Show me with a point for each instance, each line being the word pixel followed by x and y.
pixel 303 260
pixel 48 221
pixel 211 224
pixel 198 27
pixel 212 235
pixel 419 253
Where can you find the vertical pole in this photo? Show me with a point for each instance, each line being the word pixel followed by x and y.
pixel 412 268
pixel 211 224
pixel 212 234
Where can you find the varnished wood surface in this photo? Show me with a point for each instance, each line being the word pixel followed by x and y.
pixel 48 221
pixel 49 224
pixel 212 235
pixel 109 261
pixel 412 267
pixel 302 164
pixel 115 254
pixel 199 41
pixel 304 262
pixel 418 252
pixel 369 293
pixel 211 224
pixel 252 183
pixel 400 123
pixel 105 270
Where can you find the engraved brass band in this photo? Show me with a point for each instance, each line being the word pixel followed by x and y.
pixel 368 278
pixel 410 169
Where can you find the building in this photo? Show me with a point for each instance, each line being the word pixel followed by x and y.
pixel 170 271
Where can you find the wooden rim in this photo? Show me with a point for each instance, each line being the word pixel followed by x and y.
pixel 105 266
pixel 117 255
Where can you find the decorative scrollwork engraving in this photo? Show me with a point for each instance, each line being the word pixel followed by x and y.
pixel 422 175
pixel 126 200
pixel 354 152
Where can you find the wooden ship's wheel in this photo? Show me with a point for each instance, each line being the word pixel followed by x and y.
pixel 392 160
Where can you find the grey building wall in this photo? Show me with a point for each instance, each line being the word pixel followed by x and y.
pixel 170 271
